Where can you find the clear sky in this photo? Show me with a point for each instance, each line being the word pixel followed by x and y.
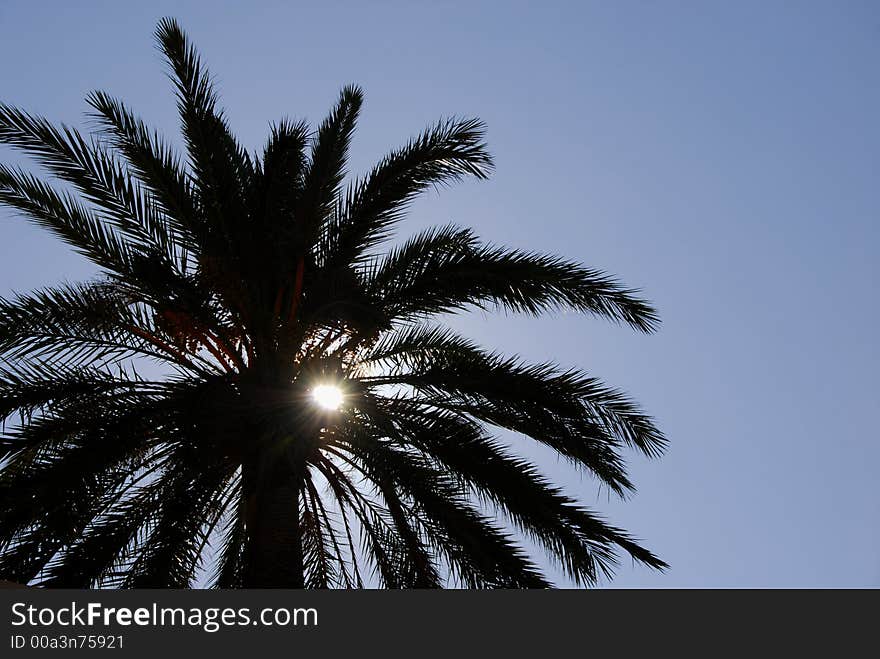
pixel 722 156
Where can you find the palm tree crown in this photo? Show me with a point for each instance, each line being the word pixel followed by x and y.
pixel 252 280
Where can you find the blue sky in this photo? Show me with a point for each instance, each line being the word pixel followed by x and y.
pixel 721 156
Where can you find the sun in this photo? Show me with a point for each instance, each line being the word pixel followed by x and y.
pixel 327 396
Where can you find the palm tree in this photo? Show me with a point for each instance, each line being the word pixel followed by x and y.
pixel 257 283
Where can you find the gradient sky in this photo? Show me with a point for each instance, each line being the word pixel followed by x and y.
pixel 722 156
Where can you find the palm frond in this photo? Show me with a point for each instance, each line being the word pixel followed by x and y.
pixel 86 324
pixel 108 543
pixel 572 535
pixel 442 270
pixel 445 153
pixel 454 373
pixel 95 173
pixel 157 167
pixel 222 171
pixel 193 498
pixel 327 163
pixel 482 554
pixel 69 220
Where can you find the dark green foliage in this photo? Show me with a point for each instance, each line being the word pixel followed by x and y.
pixel 248 280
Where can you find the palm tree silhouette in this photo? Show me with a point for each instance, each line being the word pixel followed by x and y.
pixel 259 285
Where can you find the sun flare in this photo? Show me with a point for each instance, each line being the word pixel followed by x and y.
pixel 327 396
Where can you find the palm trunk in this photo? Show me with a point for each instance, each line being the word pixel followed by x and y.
pixel 273 552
